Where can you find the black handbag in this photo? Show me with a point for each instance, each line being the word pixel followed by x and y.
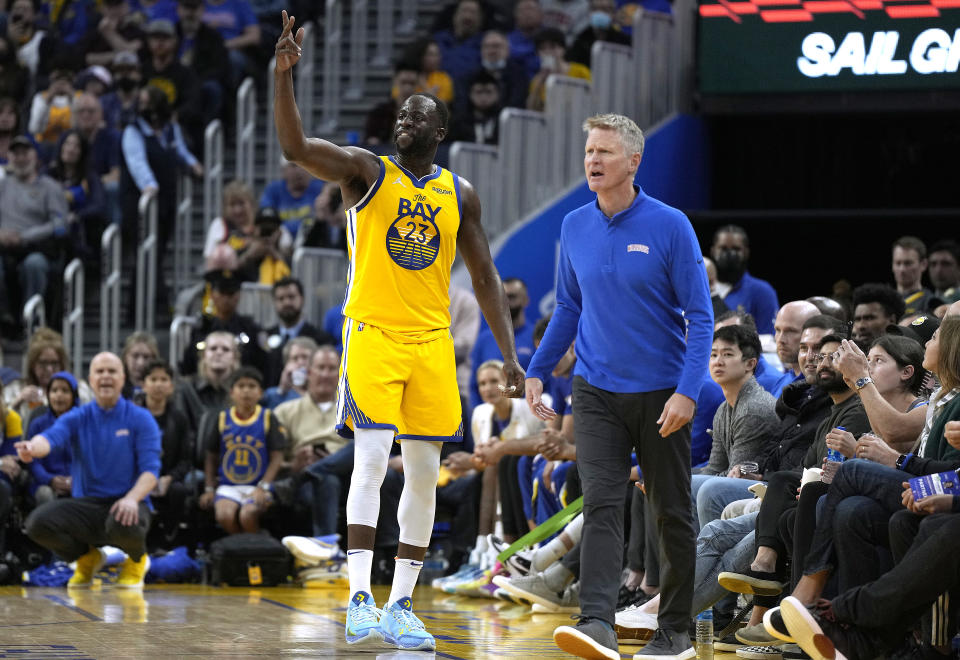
pixel 249 560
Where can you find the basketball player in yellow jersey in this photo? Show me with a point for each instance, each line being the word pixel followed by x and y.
pixel 406 219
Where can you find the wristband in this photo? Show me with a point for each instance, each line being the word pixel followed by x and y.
pixel 265 485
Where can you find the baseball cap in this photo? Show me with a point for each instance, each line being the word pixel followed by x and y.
pixel 125 58
pixel 921 328
pixel 21 141
pixel 224 281
pixel 161 26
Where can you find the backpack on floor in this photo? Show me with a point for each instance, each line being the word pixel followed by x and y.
pixel 249 560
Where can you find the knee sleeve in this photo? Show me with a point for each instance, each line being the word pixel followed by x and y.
pixel 371 451
pixel 421 468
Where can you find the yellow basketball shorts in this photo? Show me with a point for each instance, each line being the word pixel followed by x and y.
pixel 391 381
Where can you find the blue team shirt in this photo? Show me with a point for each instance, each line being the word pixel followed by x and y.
pixel 757 297
pixel 292 210
pixel 245 446
pixel 110 448
pixel 629 288
pixel 229 18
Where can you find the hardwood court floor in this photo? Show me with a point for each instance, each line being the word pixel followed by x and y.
pixel 182 621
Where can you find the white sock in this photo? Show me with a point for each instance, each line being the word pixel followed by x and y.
pixel 405 576
pixel 556 548
pixel 359 565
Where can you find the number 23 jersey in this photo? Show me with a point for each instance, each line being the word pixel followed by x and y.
pixel 402 240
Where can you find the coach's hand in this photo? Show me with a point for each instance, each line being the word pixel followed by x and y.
pixel 514 375
pixel 534 389
pixel 126 511
pixel 288 50
pixel 677 411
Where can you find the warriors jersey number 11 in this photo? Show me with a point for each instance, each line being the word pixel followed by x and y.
pixel 402 240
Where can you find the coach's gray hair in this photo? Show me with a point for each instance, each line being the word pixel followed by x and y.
pixel 630 134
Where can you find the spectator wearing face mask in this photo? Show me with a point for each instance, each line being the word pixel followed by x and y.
pixel 480 122
pixel 120 105
pixel 731 252
pixel 602 28
pixel 507 73
pixel 552 49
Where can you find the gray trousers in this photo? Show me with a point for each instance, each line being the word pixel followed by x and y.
pixel 71 527
pixel 608 426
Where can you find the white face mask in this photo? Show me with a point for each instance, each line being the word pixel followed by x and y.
pixel 494 65
pixel 548 62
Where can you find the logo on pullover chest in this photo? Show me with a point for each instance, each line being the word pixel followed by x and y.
pixel 638 247
pixel 122 432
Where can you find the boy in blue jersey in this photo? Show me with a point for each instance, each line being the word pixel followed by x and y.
pixel 248 444
pixel 116 459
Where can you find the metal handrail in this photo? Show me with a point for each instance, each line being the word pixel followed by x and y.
pixel 304 82
pixel 385 26
pixel 271 170
pixel 323 273
pixel 522 134
pixel 111 255
pixel 478 164
pixel 408 17
pixel 146 292
pixel 332 66
pixel 357 64
pixel 34 314
pixel 657 78
pixel 614 88
pixel 246 130
pixel 73 287
pixel 213 171
pixel 256 301
pixel 568 105
pixel 180 330
pixel 183 239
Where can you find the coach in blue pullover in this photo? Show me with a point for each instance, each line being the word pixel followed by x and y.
pixel 116 458
pixel 631 286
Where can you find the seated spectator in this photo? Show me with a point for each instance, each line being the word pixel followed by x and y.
pixel 288 304
pixel 177 440
pixel 10 471
pixel 139 350
pixel 433 79
pixel 35 48
pixel 730 250
pixel 567 16
pixel 875 306
pixel 293 379
pixel 327 228
pixel 292 196
pixel 120 107
pixel 265 259
pixel 480 122
pixel 527 21
pixel 601 28
pixel 786 334
pixel 237 227
pixel 460 45
pixel 104 159
pixel 237 24
pixel 382 119
pixel 116 458
pixel 208 391
pixel 51 474
pixel 33 213
pixel 13 76
pixel 225 295
pixel 163 70
pixel 551 49
pixel 909 264
pixel 94 80
pixel 495 59
pixel 83 192
pixel 45 356
pixel 485 348
pixel 50 111
pixel 244 452
pixel 202 50
pixel 9 129
pixel 118 30
pixel 945 272
pixel 746 421
pixel 152 148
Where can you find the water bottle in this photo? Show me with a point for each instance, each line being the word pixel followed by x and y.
pixel 704 644
pixel 834 459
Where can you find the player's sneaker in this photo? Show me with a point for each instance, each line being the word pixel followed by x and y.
pixel 132 572
pixel 401 627
pixel 87 567
pixel 460 573
pixel 363 620
pixel 312 550
pixel 520 563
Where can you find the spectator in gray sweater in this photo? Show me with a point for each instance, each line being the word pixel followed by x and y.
pixel 33 210
pixel 746 420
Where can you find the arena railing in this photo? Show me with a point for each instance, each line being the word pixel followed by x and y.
pixel 332 66
pixel 522 136
pixel 479 164
pixel 256 301
pixel 357 62
pixel 614 80
pixel 111 255
pixel 568 104
pixel 73 288
pixel 213 171
pixel 657 73
pixel 383 57
pixel 146 291
pixel 408 17
pixel 181 328
pixel 34 314
pixel 183 238
pixel 323 273
pixel 304 81
pixel 246 130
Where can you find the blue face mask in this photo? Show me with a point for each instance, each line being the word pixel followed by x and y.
pixel 600 20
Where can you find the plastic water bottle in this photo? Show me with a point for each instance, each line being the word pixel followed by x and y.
pixel 704 644
pixel 834 459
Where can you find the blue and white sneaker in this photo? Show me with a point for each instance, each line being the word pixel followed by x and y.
pixel 363 620
pixel 401 627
